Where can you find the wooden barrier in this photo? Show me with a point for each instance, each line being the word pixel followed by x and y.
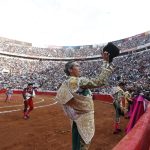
pixel 52 93
pixel 139 137
pixel 96 96
pixel 102 97
pixel 2 91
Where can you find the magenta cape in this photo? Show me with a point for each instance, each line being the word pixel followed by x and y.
pixel 137 110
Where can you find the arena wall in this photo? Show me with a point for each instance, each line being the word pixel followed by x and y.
pixel 139 137
pixel 104 97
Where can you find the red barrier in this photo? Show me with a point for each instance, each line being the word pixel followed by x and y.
pixel 2 91
pixel 52 93
pixel 102 97
pixel 139 137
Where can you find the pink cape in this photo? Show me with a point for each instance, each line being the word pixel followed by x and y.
pixel 137 110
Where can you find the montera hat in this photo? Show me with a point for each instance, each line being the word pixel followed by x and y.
pixel 112 49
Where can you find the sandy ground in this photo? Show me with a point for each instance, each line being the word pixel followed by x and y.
pixel 48 128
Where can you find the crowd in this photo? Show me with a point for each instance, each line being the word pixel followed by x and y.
pixel 78 51
pixel 133 68
pixel 133 42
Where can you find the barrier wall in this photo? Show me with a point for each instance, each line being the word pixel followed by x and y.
pixel 139 137
pixel 52 93
pixel 2 91
pixel 105 98
pixel 102 97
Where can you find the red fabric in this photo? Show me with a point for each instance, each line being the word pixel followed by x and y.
pixel 28 103
pixel 116 125
pixel 138 111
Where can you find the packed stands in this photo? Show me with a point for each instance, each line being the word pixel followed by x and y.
pixel 132 67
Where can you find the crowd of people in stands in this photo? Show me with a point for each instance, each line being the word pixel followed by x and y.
pixel 133 68
pixel 133 42
pixel 78 51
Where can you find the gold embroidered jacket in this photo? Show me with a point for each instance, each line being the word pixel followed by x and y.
pixel 79 106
